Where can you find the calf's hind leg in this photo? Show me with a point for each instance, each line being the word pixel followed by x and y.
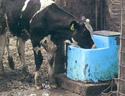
pixel 21 51
pixel 2 47
pixel 10 58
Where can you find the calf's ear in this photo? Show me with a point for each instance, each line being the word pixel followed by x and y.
pixel 73 25
pixel 88 26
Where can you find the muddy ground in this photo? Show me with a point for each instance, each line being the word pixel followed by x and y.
pixel 20 83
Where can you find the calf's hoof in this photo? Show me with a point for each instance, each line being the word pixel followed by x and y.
pixel 25 68
pixel 53 85
pixel 49 86
pixel 38 87
pixel 52 82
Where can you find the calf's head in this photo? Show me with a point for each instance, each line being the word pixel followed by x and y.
pixel 81 33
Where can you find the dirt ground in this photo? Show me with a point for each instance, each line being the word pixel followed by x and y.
pixel 19 83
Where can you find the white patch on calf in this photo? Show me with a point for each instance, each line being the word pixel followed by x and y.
pixel 25 5
pixel 44 4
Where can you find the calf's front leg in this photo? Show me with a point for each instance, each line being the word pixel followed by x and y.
pixel 50 48
pixel 38 61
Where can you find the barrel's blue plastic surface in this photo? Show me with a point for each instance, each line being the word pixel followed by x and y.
pixel 94 65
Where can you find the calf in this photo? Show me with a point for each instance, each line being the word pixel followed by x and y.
pixel 36 19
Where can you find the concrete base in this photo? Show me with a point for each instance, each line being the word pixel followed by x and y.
pixel 82 88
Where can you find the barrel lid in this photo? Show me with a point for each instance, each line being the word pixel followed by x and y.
pixel 106 33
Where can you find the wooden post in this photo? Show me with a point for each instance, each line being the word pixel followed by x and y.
pixel 121 80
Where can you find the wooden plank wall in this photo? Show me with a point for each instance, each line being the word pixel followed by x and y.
pixel 80 8
pixel 113 15
pixel 104 14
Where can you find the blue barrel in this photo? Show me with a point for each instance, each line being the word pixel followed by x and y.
pixel 94 65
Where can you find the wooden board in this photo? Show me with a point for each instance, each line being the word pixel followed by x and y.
pixel 106 33
pixel 84 89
